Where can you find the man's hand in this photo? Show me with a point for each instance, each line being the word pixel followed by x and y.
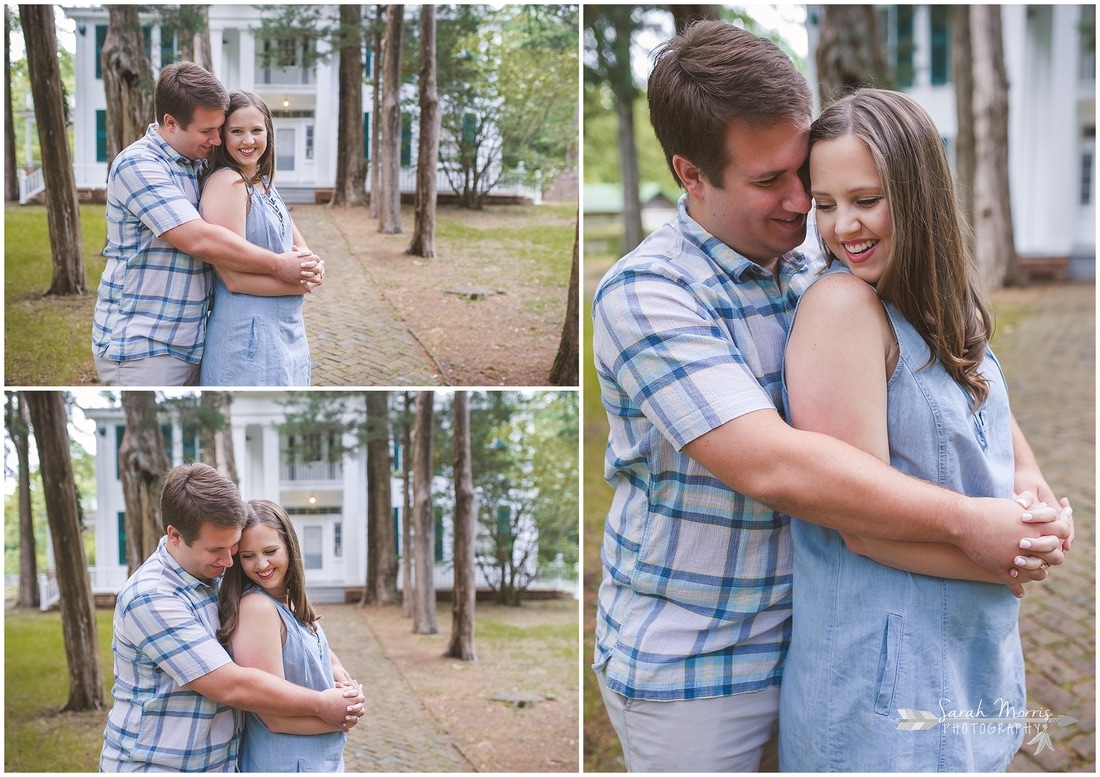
pixel 342 706
pixel 1000 529
pixel 300 267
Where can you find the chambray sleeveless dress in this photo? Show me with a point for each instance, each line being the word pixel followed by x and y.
pixel 868 640
pixel 254 340
pixel 307 662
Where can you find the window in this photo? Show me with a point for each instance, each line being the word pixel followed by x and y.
pixel 406 140
pixel 309 141
pixel 438 534
pixel 122 539
pixel 100 37
pixel 903 45
pixel 338 540
pixel 313 553
pixel 101 136
pixel 397 527
pixel 940 23
pixel 1088 166
pixel 366 135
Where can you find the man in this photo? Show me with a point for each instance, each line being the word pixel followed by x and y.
pixel 689 332
pixel 150 315
pixel 176 689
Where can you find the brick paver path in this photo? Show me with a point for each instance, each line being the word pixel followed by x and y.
pixel 354 335
pixel 1049 357
pixel 397 733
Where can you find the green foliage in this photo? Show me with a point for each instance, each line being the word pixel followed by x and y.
pixel 47 343
pixel 36 686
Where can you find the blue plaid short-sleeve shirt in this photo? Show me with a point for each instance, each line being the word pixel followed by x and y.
pixel 153 298
pixel 164 637
pixel 695 599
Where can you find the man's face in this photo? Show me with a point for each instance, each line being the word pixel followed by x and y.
pixel 760 209
pixel 209 555
pixel 200 136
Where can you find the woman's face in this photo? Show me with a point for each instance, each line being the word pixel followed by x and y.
pixel 263 558
pixel 245 136
pixel 853 216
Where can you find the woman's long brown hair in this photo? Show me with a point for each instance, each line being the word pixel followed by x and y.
pixel 234 580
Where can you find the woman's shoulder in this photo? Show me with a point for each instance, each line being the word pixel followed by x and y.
pixel 256 603
pixel 839 290
pixel 224 179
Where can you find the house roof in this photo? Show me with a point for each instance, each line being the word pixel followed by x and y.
pixel 607 198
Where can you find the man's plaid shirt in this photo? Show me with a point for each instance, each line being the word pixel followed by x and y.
pixel 695 600
pixel 164 627
pixel 153 299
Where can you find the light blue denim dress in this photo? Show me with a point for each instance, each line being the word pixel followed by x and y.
pixel 307 662
pixel 869 640
pixel 253 340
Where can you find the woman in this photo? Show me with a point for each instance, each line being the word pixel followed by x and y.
pixel 255 335
pixel 889 352
pixel 268 623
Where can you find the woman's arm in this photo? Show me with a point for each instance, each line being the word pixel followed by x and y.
pixel 837 368
pixel 258 643
pixel 225 202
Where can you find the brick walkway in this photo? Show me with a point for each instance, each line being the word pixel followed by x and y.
pixel 354 335
pixel 397 733
pixel 1049 356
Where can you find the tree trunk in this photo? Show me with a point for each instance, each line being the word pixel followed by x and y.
pixel 381 583
pixel 625 93
pixel 11 175
pixel 142 464
pixel 47 412
pixel 565 371
pixel 127 80
pixel 423 240
pixel 994 245
pixel 19 427
pixel 850 53
pixel 683 15
pixel 351 171
pixel 963 74
pixel 195 35
pixel 375 154
pixel 389 204
pixel 62 212
pixel 216 433
pixel 407 552
pixel 465 528
pixel 424 608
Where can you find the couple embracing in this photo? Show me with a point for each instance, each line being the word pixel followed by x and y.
pixel 205 269
pixel 220 661
pixel 821 519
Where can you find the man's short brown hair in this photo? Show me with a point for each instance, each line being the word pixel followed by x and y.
pixel 713 74
pixel 195 494
pixel 185 86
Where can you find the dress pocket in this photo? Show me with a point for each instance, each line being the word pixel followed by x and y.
pixel 889 664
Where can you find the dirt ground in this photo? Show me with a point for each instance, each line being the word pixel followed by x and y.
pixel 506 329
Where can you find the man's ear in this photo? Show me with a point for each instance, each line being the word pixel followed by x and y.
pixel 174 535
pixel 690 175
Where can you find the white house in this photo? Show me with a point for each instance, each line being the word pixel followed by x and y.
pixel 327 501
pixel 304 100
pixel 1050 55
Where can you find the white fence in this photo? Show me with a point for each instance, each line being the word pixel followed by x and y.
pixel 30 184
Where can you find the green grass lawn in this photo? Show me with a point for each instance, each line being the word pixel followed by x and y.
pixel 47 340
pixel 37 736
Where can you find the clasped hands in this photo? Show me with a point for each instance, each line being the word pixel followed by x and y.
pixel 352 690
pixel 1049 548
pixel 312 268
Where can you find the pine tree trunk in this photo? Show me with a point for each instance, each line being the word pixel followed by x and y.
pixel 850 53
pixel 565 371
pixel 375 154
pixel 11 175
pixel 216 433
pixel 423 241
pixel 351 172
pixel 381 584
pixel 127 80
pixel 142 464
pixel 408 552
pixel 424 621
pixel 78 624
pixel 19 427
pixel 962 72
pixel 994 244
pixel 389 205
pixel 465 533
pixel 62 213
